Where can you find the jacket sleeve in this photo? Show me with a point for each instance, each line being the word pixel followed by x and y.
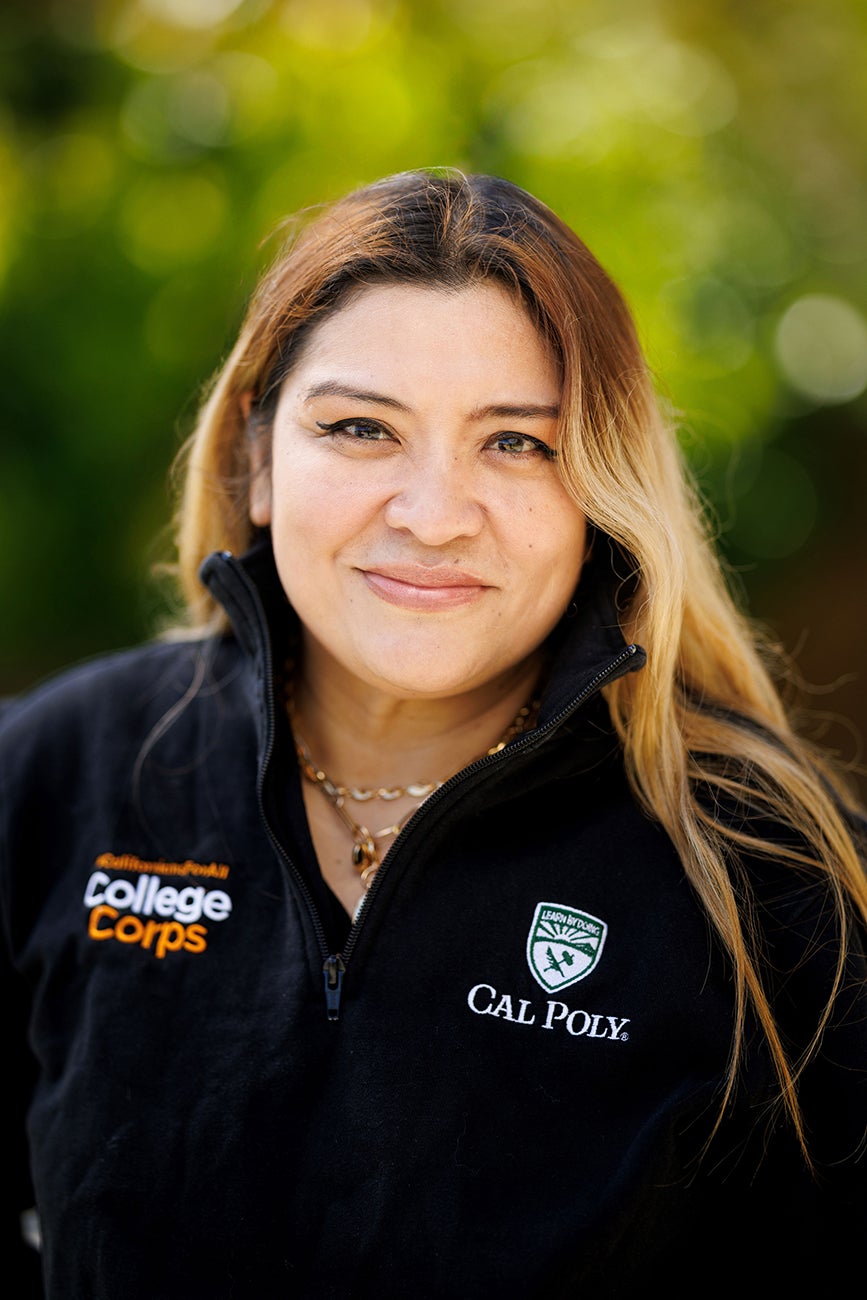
pixel 803 946
pixel 20 1255
pixel 798 926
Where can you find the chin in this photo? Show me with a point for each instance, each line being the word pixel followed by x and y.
pixel 429 676
pixel 426 684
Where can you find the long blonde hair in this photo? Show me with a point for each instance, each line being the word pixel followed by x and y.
pixel 704 722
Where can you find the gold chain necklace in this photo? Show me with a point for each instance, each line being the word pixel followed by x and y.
pixel 366 857
pixel 418 789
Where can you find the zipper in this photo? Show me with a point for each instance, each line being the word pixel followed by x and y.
pixel 334 965
pixel 333 969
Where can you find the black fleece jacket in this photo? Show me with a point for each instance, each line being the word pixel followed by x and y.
pixel 498 1083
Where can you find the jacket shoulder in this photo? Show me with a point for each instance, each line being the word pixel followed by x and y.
pixel 122 693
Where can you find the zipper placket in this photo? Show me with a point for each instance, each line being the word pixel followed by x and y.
pixel 334 965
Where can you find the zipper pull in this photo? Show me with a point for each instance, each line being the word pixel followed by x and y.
pixel 333 969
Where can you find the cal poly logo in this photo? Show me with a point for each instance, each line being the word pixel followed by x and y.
pixel 563 945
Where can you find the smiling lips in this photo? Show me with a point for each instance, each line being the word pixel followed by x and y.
pixel 424 587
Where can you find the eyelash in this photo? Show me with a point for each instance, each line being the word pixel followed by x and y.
pixel 343 426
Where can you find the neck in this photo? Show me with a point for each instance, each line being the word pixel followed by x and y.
pixel 364 737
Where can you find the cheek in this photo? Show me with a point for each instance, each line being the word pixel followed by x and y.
pixel 300 495
pixel 308 473
pixel 556 543
pixel 316 511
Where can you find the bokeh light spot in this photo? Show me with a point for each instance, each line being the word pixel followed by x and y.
pixel 199 108
pixel 170 117
pixel 252 86
pixel 10 202
pixel 337 25
pixel 821 347
pixel 547 112
pixel 191 13
pixel 686 89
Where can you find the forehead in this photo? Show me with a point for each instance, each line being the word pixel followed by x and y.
pixel 473 332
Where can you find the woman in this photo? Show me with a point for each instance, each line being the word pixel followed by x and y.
pixel 451 909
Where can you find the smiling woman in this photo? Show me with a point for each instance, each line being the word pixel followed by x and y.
pixel 537 958
pixel 427 547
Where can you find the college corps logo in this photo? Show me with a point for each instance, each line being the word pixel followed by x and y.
pixel 564 945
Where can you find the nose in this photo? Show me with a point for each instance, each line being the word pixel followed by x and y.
pixel 436 501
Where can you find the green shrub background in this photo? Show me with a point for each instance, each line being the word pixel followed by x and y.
pixel 713 156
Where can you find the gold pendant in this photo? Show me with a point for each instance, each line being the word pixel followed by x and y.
pixel 363 854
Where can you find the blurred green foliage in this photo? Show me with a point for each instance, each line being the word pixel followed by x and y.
pixel 713 156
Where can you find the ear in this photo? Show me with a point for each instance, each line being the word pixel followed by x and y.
pixel 259 451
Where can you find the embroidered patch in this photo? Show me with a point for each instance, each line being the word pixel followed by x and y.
pixel 563 945
pixel 135 902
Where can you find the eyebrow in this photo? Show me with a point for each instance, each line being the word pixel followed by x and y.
pixel 497 410
pixel 515 411
pixel 332 388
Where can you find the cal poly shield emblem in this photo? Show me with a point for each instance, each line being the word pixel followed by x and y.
pixel 563 945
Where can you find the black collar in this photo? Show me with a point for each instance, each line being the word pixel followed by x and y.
pixel 587 648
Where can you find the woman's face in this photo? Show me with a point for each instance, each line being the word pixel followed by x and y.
pixel 420 527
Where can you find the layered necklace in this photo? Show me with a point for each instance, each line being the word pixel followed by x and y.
pixel 366 853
